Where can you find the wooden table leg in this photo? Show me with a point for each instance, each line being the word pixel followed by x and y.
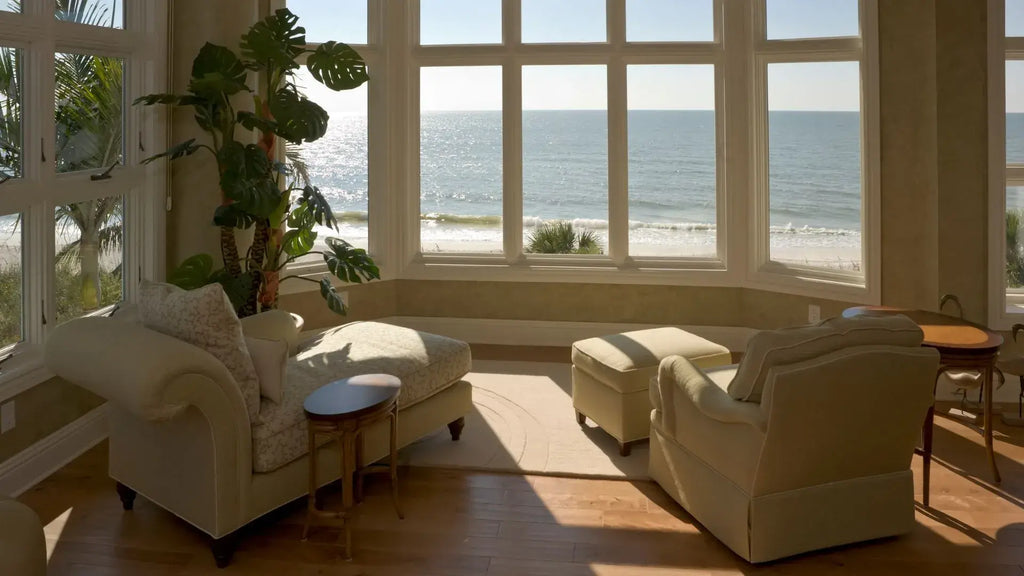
pixel 348 470
pixel 987 386
pixel 926 453
pixel 311 504
pixel 394 463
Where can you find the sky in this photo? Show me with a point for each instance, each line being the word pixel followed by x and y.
pixel 811 86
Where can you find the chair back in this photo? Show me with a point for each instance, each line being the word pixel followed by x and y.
pixel 850 413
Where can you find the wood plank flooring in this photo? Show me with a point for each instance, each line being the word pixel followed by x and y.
pixel 465 523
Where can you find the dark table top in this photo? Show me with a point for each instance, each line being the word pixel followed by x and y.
pixel 352 397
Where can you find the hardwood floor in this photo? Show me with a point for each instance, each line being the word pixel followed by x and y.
pixel 464 523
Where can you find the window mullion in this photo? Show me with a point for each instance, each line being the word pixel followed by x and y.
pixel 512 132
pixel 618 147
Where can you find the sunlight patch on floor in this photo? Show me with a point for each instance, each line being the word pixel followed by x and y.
pixel 53 531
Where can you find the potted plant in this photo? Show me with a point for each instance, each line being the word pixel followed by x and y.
pixel 251 183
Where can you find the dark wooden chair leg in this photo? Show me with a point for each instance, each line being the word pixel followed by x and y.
pixel 127 496
pixel 455 428
pixel 223 549
pixel 581 419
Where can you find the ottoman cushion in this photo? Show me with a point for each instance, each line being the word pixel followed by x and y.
pixel 426 364
pixel 628 361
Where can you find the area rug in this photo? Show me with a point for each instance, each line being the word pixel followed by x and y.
pixel 523 421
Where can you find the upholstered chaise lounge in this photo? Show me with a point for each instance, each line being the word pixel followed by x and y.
pixel 180 433
pixel 805 444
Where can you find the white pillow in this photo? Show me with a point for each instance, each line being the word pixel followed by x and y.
pixel 270 357
pixel 204 318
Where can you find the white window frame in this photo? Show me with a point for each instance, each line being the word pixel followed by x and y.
pixel 142 45
pixel 394 196
pixel 1006 307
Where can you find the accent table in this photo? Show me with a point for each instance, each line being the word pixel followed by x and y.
pixel 961 345
pixel 343 410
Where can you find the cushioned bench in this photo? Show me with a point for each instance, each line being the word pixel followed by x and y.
pixel 611 376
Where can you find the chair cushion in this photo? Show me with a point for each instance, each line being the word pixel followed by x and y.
pixel 426 364
pixel 270 357
pixel 790 345
pixel 204 318
pixel 628 361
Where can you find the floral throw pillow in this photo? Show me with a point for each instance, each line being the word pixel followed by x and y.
pixel 204 318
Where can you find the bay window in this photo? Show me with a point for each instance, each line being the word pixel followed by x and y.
pixel 586 140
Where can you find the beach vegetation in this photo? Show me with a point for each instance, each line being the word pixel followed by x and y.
pixel 1014 248
pixel 561 237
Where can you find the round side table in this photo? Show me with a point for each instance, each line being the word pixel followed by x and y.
pixel 342 411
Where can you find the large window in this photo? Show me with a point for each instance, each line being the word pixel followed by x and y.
pixel 1011 157
pixel 80 217
pixel 586 140
pixel 811 168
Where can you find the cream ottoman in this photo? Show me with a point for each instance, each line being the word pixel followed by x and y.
pixel 611 376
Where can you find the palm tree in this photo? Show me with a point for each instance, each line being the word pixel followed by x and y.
pixel 89 135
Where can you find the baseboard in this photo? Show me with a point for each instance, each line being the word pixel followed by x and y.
pixel 32 465
pixel 552 333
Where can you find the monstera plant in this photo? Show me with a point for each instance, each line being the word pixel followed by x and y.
pixel 253 187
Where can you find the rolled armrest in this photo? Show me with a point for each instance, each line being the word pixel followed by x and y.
pixel 134 367
pixel 22 542
pixel 678 376
pixel 275 325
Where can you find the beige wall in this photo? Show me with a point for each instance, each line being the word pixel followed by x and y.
pixel 42 410
pixel 195 194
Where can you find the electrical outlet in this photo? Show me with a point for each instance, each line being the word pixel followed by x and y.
pixel 6 417
pixel 813 313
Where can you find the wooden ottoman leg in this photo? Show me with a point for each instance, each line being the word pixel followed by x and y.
pixel 224 549
pixel 625 448
pixel 127 496
pixel 581 419
pixel 455 428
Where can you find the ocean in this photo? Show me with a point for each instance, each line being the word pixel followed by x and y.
pixel 814 175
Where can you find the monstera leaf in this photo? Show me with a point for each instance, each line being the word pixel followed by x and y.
pixel 334 301
pixel 186 148
pixel 298 118
pixel 275 40
pixel 232 216
pixel 337 66
pixel 193 273
pixel 216 71
pixel 245 178
pixel 349 263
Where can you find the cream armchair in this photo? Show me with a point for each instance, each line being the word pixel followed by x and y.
pixel 804 445
pixel 22 543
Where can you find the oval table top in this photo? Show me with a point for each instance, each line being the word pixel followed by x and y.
pixel 352 397
pixel 940 330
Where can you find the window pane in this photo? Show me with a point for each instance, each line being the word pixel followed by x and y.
pixel 670 20
pixel 89 111
pixel 814 164
pixel 105 13
pixel 460 22
pixel 565 159
pixel 1015 111
pixel 460 159
pixel 564 21
pixel 339 162
pixel 812 18
pixel 338 20
pixel 90 250
pixel 672 170
pixel 10 112
pixel 1015 237
pixel 1015 17
pixel 11 286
